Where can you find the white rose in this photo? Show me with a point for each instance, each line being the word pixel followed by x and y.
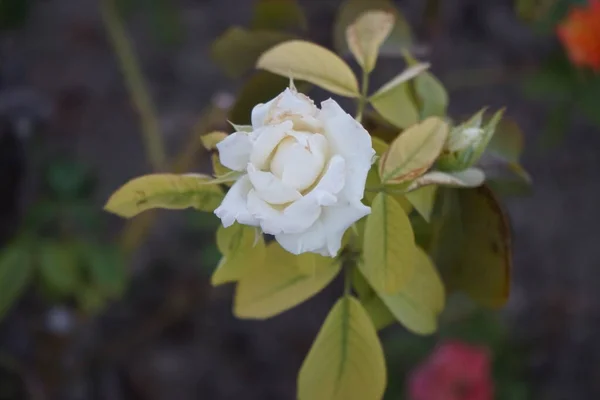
pixel 304 173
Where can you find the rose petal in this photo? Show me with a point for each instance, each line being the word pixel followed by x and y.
pixel 265 140
pixel 349 139
pixel 325 235
pixel 259 113
pixel 270 188
pixel 291 103
pixel 300 162
pixel 234 205
pixel 234 151
pixel 274 221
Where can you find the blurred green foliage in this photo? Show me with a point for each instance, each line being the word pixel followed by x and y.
pixel 59 248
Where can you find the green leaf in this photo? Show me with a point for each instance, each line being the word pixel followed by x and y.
pixel 107 269
pixel 280 283
pixel 418 304
pixel 414 151
pixel 237 50
pixel 399 38
pixel 396 105
pixel 346 360
pixel 394 100
pixel 170 191
pixel 278 15
pixel 379 313
pixel 423 200
pixel 471 177
pixel 299 59
pixel 488 132
pixel 484 265
pixel 242 247
pixel 59 267
pixel 366 35
pixel 16 267
pixel 388 246
pixel 430 91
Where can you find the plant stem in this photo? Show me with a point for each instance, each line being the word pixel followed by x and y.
pixel 348 268
pixel 136 86
pixel 362 100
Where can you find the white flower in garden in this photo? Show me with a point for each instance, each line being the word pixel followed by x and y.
pixel 304 173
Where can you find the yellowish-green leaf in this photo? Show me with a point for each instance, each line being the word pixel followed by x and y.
pixel 242 249
pixel 379 145
pixel 470 177
pixel 388 247
pixel 413 152
pixel 210 140
pixel 278 15
pixel 484 266
pixel 310 62
pixel 242 128
pixel 396 105
pixel 346 360
pixel 16 267
pixel 279 284
pixel 423 199
pixel 432 95
pixel 380 314
pixel 218 168
pixel 169 191
pixel 350 10
pixel 366 35
pixel 418 305
pixel 237 50
pixel 402 78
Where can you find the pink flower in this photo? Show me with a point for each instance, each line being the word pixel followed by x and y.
pixel 454 371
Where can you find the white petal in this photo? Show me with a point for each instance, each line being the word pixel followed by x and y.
pixel 265 140
pixel 290 103
pixel 325 236
pixel 259 113
pixel 270 188
pixel 321 196
pixel 349 139
pixel 300 162
pixel 274 221
pixel 234 151
pixel 234 206
pixel 334 179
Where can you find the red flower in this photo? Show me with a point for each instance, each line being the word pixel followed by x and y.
pixel 454 371
pixel 579 32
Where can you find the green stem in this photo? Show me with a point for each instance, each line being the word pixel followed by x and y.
pixel 362 100
pixel 135 84
pixel 348 268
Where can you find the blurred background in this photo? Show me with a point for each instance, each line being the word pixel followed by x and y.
pixel 93 307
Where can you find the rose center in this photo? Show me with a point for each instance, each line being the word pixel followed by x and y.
pixel 299 159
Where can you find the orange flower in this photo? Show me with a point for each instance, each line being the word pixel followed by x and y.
pixel 579 32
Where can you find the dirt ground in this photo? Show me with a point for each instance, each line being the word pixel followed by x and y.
pixel 173 337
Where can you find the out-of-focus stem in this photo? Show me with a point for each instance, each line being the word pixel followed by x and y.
pixel 362 100
pixel 135 84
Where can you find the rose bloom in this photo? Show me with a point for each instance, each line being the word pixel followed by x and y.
pixel 454 371
pixel 580 34
pixel 304 173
